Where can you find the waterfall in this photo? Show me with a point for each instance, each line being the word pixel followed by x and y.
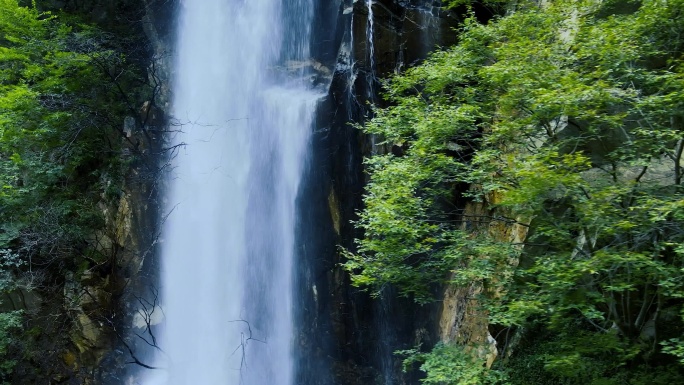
pixel 244 105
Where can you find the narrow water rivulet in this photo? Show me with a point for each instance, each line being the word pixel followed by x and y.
pixel 244 103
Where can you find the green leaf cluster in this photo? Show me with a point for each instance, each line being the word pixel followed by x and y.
pixel 60 118
pixel 569 114
pixel 10 323
pixel 449 364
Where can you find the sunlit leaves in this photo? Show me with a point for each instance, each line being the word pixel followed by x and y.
pixel 568 113
pixel 450 364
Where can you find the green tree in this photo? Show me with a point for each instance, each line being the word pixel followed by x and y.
pixel 568 113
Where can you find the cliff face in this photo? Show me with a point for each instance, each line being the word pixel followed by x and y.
pixel 138 307
pixel 344 335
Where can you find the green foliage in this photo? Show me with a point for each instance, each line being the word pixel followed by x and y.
pixel 451 365
pixel 62 104
pixel 496 4
pixel 59 114
pixel 567 116
pixel 10 323
pixel 576 358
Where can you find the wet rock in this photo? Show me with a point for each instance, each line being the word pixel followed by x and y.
pixel 333 205
pixel 346 336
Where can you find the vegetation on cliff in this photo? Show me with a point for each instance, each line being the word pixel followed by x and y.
pixel 64 90
pixel 564 117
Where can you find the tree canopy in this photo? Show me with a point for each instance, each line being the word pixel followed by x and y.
pixel 565 117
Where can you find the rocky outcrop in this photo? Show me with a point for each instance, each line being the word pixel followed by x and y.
pixel 462 319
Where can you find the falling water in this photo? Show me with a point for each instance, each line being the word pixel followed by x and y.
pixel 370 36
pixel 370 75
pixel 430 25
pixel 244 103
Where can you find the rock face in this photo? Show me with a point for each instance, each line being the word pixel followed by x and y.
pixel 461 318
pixel 345 336
pixel 138 261
pixel 89 323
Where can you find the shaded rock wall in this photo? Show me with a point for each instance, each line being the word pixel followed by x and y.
pixel 139 262
pixel 344 335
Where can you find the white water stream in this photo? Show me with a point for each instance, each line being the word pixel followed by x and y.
pixel 370 38
pixel 229 240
